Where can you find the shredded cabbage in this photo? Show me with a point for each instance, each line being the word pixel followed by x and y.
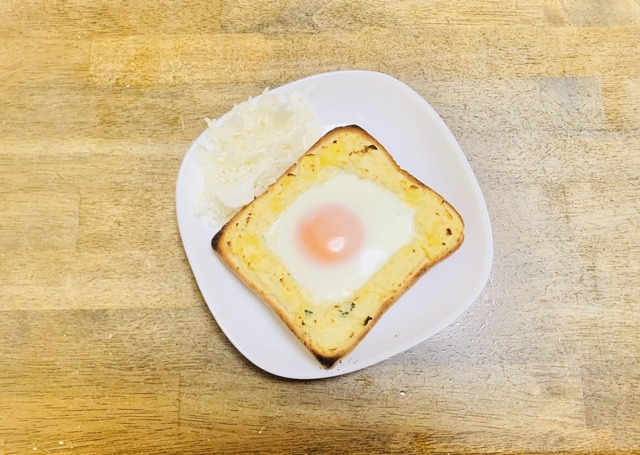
pixel 247 149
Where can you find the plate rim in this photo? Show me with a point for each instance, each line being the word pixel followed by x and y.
pixel 418 339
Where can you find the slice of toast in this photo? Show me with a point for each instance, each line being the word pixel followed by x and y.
pixel 332 330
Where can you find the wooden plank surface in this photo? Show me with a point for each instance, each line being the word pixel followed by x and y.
pixel 106 345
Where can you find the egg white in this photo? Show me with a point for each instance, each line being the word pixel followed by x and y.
pixel 388 225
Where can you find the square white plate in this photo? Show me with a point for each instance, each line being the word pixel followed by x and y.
pixel 422 144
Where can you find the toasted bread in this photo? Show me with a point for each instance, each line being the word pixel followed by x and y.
pixel 332 330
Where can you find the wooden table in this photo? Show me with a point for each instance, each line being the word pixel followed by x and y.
pixel 106 344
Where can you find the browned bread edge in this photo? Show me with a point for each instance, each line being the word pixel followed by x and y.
pixel 326 360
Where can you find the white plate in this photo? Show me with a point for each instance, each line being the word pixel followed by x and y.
pixel 422 144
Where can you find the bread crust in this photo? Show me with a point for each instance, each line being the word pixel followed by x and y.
pixel 440 226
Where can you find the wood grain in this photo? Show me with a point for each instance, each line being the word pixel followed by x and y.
pixel 106 345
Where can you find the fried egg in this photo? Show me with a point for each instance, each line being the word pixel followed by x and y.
pixel 336 235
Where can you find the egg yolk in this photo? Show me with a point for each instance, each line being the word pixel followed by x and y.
pixel 330 233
